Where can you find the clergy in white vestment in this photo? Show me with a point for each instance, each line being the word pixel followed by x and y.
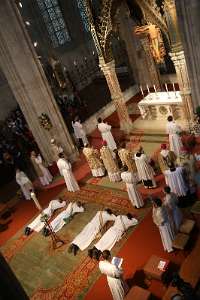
pixel 38 223
pixel 160 218
pixel 24 183
pixel 174 212
pixel 79 132
pixel 134 195
pixel 174 178
pixel 166 158
pixel 93 158
pixel 106 134
pixel 91 230
pixel 63 217
pixel 110 163
pixel 174 131
pixel 116 283
pixel 43 173
pixel 56 149
pixel 145 171
pixel 65 169
pixel 114 233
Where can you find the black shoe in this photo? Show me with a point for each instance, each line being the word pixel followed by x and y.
pixel 46 231
pixel 75 249
pixel 27 231
pixel 70 249
pixel 96 254
pixel 90 253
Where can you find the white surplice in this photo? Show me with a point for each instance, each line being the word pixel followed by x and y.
pixel 175 142
pixel 79 132
pixel 174 212
pixel 107 136
pixel 91 230
pixel 176 182
pixel 65 170
pixel 131 184
pixel 61 219
pixel 25 184
pixel 160 218
pixel 115 280
pixel 47 177
pixel 37 224
pixel 115 232
pixel 145 171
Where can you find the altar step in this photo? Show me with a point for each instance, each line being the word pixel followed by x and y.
pixel 154 138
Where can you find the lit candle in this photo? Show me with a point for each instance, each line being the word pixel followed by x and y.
pixel 37 204
pixel 142 91
pixel 154 88
pixel 166 87
pixel 75 63
pixel 148 89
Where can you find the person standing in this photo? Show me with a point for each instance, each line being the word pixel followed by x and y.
pixel 115 280
pixel 93 158
pixel 79 132
pixel 42 172
pixel 126 157
pixel 174 131
pixel 160 219
pixel 56 149
pixel 145 171
pixel 24 183
pixel 131 180
pixel 65 169
pixel 110 163
pixel 106 134
pixel 174 178
pixel 166 158
pixel 174 212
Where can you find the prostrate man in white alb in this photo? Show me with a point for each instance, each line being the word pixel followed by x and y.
pixel 117 285
pixel 106 134
pixel 113 235
pixel 63 217
pixel 91 230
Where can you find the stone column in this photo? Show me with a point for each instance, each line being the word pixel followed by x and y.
pixel 116 94
pixel 27 80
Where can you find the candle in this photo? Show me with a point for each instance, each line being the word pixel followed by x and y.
pixel 37 204
pixel 75 63
pixel 141 91
pixel 148 89
pixel 166 87
pixel 174 87
pixel 154 88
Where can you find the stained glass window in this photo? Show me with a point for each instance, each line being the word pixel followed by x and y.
pixel 83 14
pixel 54 21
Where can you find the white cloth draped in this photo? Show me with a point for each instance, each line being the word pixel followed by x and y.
pixel 107 136
pixel 65 170
pixel 37 224
pixel 90 231
pixel 115 281
pixel 79 132
pixel 25 184
pixel 175 142
pixel 47 177
pixel 114 177
pixel 98 172
pixel 131 184
pixel 115 232
pixel 175 180
pixel 60 220
pixel 145 171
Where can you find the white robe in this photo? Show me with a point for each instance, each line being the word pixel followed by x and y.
pixel 175 180
pixel 175 142
pixel 107 136
pixel 91 230
pixel 115 233
pixel 131 184
pixel 145 171
pixel 47 177
pixel 65 170
pixel 60 220
pixel 79 132
pixel 115 281
pixel 25 184
pixel 37 224
pixel 174 212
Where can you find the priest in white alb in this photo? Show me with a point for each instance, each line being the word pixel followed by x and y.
pixel 106 134
pixel 91 230
pixel 114 274
pixel 79 132
pixel 65 169
pixel 131 180
pixel 56 149
pixel 174 131
pixel 40 169
pixel 24 183
pixel 175 179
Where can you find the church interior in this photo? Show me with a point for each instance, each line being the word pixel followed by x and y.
pixel 99 149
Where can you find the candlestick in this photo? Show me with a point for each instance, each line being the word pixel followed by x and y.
pixel 154 88
pixel 166 87
pixel 37 204
pixel 142 91
pixel 174 87
pixel 148 89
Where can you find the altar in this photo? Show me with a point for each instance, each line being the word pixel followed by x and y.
pixel 160 105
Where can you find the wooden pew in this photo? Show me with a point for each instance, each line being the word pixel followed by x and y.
pixel 189 271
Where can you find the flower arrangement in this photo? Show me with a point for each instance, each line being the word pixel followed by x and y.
pixel 45 122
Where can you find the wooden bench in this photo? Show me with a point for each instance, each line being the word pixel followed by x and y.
pixel 138 293
pixel 189 271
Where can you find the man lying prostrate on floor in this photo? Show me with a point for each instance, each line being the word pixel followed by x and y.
pixel 91 230
pixel 38 224
pixel 63 217
pixel 113 235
